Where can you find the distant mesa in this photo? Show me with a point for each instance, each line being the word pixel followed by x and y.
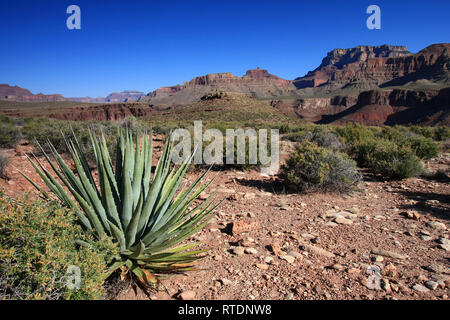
pixel 88 99
pixel 15 93
pixel 369 84
pixel 124 96
pixel 257 82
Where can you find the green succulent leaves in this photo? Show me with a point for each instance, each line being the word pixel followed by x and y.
pixel 148 216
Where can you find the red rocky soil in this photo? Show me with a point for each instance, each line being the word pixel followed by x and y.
pixel 267 244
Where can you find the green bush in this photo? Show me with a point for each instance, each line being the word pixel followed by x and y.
pixel 41 131
pixel 394 152
pixel 234 152
pixel 354 132
pixel 386 157
pixel 435 133
pixel 323 137
pixel 441 133
pixel 4 161
pixel 315 168
pixel 297 136
pixel 37 247
pixel 424 148
pixel 400 165
pixel 9 134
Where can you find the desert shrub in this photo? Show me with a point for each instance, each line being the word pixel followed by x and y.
pixel 285 128
pixel 4 161
pixel 424 131
pixel 42 131
pixel 438 175
pixel 394 152
pixel 441 133
pixel 295 136
pixel 132 123
pixel 163 128
pixel 354 132
pixel 248 164
pixel 311 167
pixel 367 152
pixel 435 133
pixel 446 145
pixel 400 165
pixel 323 138
pixel 228 153
pixel 9 134
pixel 424 148
pixel 394 133
pixel 37 246
pixel 386 157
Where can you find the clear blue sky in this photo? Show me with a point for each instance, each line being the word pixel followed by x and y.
pixel 142 45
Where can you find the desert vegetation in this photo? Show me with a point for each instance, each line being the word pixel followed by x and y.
pixel 313 167
pixel 108 212
pixel 145 216
pixel 39 241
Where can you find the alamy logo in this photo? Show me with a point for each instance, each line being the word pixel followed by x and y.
pixel 374 21
pixel 74 20
pixel 240 146
pixel 73 277
pixel 374 279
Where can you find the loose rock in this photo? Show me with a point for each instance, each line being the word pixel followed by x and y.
pixel 242 226
pixel 432 285
pixel 250 251
pixel 262 266
pixel 239 251
pixel 437 225
pixel 389 254
pixel 288 258
pixel 318 251
pixel 276 249
pixel 420 288
pixel 268 260
pixel 342 220
pixel 187 295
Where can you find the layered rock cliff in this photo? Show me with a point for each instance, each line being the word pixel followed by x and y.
pixel 114 112
pixel 258 82
pixel 374 107
pixel 102 112
pixel 369 84
pixel 15 93
pixel 364 68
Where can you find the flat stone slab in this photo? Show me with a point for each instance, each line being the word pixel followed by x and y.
pixel 318 251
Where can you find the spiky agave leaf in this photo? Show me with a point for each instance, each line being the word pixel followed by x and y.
pixel 147 216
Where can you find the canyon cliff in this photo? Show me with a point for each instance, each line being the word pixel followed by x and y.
pixel 376 85
pixel 365 68
pixel 258 82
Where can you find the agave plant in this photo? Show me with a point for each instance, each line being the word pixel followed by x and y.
pixel 148 216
